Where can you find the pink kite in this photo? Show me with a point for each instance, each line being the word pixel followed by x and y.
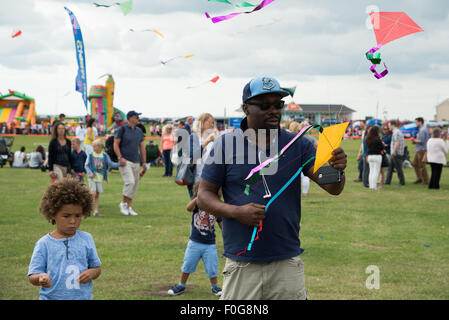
pixel 388 26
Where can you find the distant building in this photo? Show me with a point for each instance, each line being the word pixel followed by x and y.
pixel 318 113
pixel 442 110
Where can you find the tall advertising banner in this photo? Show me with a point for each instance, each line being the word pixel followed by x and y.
pixel 81 78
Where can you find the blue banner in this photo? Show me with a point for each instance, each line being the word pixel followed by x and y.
pixel 235 122
pixel 81 79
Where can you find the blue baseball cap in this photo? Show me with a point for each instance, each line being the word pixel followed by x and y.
pixel 132 114
pixel 262 85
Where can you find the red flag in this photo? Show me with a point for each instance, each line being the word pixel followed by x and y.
pixel 392 25
pixel 214 79
pixel 16 33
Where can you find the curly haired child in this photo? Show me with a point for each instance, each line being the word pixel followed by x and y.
pixel 65 261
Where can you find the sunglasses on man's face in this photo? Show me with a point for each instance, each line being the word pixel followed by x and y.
pixel 265 106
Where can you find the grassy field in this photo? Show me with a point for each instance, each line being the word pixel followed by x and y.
pixel 141 256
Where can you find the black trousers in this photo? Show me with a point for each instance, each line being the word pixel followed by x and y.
pixel 434 182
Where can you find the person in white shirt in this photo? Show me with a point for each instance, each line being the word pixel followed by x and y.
pixel 80 133
pixel 437 150
pixel 20 159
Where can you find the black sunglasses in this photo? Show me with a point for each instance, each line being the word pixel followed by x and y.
pixel 265 106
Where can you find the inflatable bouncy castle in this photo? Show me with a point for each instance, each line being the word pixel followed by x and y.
pixel 16 107
pixel 102 105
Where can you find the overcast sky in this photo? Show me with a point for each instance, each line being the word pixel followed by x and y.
pixel 316 45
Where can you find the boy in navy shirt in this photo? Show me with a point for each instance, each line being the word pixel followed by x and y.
pixel 78 157
pixel 200 246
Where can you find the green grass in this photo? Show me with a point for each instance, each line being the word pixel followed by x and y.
pixel 141 256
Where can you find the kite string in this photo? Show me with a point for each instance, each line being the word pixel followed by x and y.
pixel 255 231
pixel 284 149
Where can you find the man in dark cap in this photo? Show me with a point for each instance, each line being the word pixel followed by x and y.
pixel 272 268
pixel 128 142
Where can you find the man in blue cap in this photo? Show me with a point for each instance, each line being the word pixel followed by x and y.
pixel 272 268
pixel 128 141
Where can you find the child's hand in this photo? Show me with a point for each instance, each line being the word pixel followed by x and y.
pixel 89 275
pixel 44 280
pixel 91 176
pixel 85 277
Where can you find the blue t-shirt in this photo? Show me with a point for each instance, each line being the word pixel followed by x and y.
pixel 279 238
pixel 130 140
pixel 64 260
pixel 203 230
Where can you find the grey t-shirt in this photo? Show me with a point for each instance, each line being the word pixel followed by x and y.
pixel 130 140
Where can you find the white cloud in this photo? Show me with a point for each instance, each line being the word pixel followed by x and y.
pixel 318 46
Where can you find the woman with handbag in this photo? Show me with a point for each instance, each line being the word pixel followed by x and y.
pixel 200 144
pixel 59 149
pixel 437 150
pixel 201 141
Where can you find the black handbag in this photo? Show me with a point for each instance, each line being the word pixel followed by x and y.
pixel 185 174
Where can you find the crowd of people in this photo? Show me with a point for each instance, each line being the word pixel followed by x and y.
pixel 270 268
pixel 384 149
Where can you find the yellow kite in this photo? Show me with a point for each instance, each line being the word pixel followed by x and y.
pixel 328 141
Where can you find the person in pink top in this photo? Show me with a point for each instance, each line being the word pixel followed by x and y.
pixel 168 141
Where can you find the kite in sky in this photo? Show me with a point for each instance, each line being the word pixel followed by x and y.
pixel 232 15
pixel 329 140
pixel 171 59
pixel 213 80
pixel 125 6
pixel 153 30
pixel 238 5
pixel 16 33
pixel 388 26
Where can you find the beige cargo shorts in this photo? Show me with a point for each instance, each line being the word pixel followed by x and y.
pixel 130 176
pixel 277 280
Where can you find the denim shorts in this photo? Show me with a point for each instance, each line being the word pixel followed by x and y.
pixel 194 252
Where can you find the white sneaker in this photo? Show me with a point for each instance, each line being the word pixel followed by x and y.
pixel 132 212
pixel 124 208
